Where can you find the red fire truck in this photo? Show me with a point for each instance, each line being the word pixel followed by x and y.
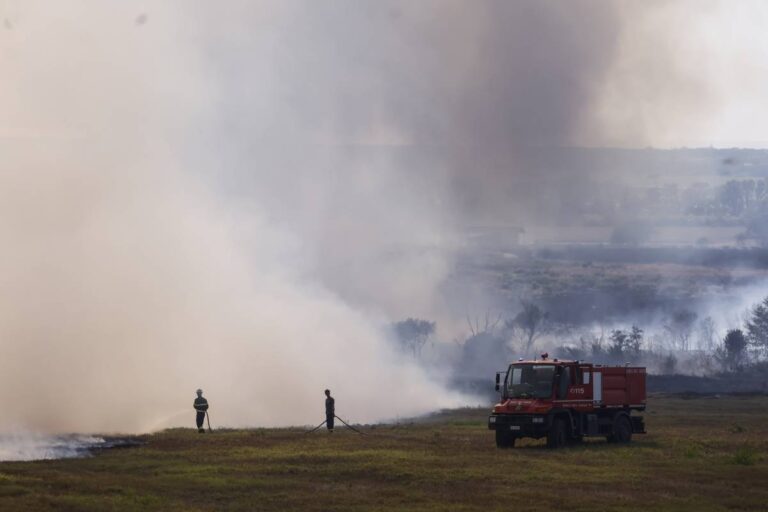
pixel 565 401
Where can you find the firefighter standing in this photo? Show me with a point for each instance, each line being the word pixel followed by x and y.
pixel 201 406
pixel 330 410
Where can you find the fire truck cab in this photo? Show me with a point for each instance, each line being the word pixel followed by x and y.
pixel 566 401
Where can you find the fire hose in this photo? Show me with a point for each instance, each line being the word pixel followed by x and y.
pixel 341 420
pixel 350 426
pixel 317 427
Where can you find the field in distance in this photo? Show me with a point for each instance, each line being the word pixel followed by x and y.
pixel 701 453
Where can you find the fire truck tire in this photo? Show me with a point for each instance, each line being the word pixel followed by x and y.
pixel 557 435
pixel 622 430
pixel 504 439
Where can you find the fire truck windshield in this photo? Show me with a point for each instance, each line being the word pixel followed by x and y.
pixel 530 381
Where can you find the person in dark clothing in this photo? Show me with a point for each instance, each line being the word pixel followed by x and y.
pixel 201 405
pixel 330 410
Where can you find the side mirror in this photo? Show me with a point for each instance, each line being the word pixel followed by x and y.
pixel 498 380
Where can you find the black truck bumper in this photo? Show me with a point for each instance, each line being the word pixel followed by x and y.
pixel 520 425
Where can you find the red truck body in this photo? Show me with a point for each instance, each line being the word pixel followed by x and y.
pixel 567 400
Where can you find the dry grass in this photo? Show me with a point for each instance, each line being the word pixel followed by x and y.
pixel 700 454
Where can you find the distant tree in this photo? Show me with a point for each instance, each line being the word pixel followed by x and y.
pixel 413 333
pixel 635 341
pixel 487 327
pixel 669 365
pixel 741 198
pixel 597 347
pixel 580 348
pixel 757 327
pixel 679 326
pixel 757 229
pixel 530 323
pixel 626 344
pixel 571 352
pixel 732 353
pixel 748 190
pixel 760 190
pixel 619 341
pixel 483 349
pixel 706 331
pixel 732 198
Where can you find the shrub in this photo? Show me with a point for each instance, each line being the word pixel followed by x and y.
pixel 745 456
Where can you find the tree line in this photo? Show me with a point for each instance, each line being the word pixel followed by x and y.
pixel 490 339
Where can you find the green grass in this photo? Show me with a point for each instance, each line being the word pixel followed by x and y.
pixel 699 454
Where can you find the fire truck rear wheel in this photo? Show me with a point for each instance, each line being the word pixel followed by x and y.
pixel 623 429
pixel 557 435
pixel 504 439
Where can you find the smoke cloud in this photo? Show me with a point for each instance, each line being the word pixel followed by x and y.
pixel 240 197
pixel 131 280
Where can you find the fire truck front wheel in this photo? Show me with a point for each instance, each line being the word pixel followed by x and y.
pixel 504 439
pixel 557 435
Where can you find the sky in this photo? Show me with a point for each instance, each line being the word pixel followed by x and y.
pixel 687 74
pixel 630 74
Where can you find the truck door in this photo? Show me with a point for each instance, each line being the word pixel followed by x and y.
pixel 573 383
pixel 582 385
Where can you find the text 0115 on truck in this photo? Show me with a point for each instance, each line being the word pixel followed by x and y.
pixel 566 401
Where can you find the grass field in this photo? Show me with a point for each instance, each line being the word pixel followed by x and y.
pixel 701 453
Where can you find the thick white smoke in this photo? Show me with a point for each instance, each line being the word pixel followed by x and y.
pixel 25 446
pixel 130 277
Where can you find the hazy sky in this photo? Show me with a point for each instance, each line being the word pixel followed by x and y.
pixel 662 73
pixel 688 73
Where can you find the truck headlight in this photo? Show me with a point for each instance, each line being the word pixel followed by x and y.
pixel 538 419
pixel 492 419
